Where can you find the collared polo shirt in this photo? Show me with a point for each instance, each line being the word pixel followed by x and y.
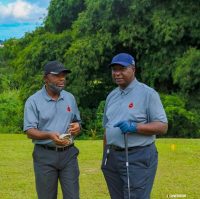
pixel 138 103
pixel 46 114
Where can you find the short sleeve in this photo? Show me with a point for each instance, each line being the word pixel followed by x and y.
pixel 155 108
pixel 30 115
pixel 76 117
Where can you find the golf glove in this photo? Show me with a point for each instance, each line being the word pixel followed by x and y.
pixel 127 126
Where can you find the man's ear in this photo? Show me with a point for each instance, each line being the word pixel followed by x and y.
pixel 133 68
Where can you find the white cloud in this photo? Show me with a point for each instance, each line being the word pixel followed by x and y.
pixel 21 11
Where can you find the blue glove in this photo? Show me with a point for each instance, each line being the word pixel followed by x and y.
pixel 127 126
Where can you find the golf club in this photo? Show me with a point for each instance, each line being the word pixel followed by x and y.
pixel 127 163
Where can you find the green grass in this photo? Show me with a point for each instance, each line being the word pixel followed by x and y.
pixel 178 170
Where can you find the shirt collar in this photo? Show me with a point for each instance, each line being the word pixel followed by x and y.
pixel 48 98
pixel 130 87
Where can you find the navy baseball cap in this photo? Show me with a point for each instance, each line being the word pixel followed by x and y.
pixel 55 67
pixel 123 59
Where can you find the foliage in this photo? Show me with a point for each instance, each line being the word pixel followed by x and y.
pixel 182 122
pixel 163 36
pixel 87 116
pixel 6 72
pixel 4 82
pixel 62 13
pixel 95 127
pixel 187 72
pixel 90 74
pixel 173 33
pixel 11 112
pixel 99 29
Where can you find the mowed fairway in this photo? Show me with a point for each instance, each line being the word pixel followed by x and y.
pixel 178 170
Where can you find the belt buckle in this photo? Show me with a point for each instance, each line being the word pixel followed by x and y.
pixel 62 148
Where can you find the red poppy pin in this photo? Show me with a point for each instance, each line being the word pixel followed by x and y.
pixel 68 108
pixel 131 105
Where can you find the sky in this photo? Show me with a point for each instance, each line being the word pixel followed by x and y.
pixel 20 16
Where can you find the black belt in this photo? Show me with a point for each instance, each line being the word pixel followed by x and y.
pixel 117 148
pixel 55 148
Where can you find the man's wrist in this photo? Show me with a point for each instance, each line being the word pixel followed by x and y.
pixel 133 126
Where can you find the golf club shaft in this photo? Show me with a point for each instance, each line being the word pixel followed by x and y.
pixel 127 163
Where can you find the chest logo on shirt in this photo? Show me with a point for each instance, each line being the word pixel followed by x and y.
pixel 131 105
pixel 68 109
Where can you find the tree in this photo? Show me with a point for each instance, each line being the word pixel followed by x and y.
pixel 163 36
pixel 62 13
pixel 187 71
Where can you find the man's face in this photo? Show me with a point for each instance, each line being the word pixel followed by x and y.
pixel 55 82
pixel 123 76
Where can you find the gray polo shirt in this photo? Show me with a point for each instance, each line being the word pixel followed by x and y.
pixel 138 103
pixel 46 114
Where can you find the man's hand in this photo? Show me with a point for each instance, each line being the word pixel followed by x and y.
pixel 127 126
pixel 74 128
pixel 43 135
pixel 57 140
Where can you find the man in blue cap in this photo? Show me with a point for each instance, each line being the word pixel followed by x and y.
pixel 49 114
pixel 134 109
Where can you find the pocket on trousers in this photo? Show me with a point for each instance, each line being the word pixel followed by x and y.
pixel 138 166
pixel 34 154
pixel 76 150
pixel 152 156
pixel 104 158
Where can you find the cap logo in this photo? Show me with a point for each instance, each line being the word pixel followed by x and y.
pixel 60 66
pixel 131 105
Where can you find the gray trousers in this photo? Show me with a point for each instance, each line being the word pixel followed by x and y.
pixel 142 170
pixel 51 166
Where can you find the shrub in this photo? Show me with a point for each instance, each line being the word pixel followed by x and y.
pixel 11 114
pixel 92 126
pixel 182 123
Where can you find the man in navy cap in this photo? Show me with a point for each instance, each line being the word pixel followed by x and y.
pixel 134 109
pixel 49 114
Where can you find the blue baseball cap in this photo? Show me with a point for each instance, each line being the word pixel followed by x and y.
pixel 123 59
